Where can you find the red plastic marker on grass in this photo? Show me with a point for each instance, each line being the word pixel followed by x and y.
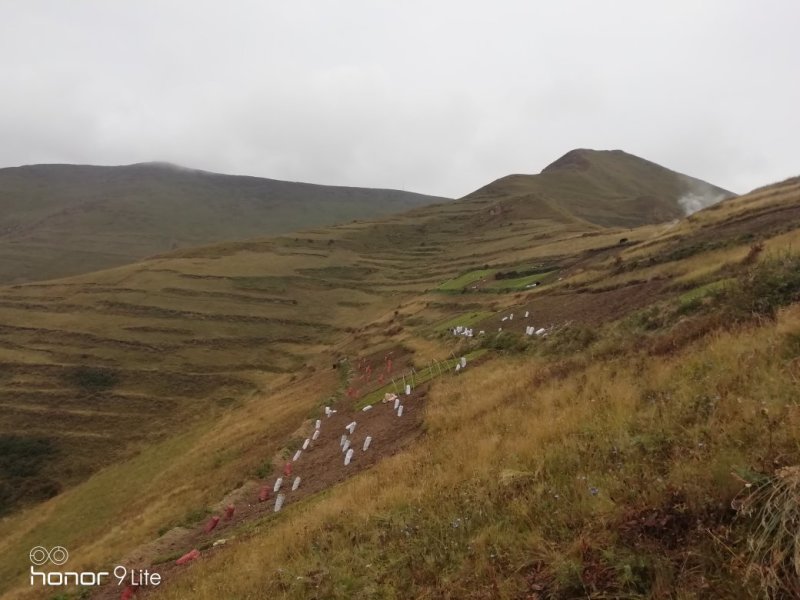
pixel 212 524
pixel 263 495
pixel 128 592
pixel 229 512
pixel 188 557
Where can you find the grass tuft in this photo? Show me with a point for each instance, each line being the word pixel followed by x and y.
pixel 774 543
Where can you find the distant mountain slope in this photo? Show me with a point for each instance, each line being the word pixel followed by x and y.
pixel 607 188
pixel 59 220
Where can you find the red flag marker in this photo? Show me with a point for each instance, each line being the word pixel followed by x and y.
pixel 212 524
pixel 263 495
pixel 128 592
pixel 188 557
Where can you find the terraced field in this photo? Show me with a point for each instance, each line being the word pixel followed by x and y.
pixel 154 390
pixel 180 337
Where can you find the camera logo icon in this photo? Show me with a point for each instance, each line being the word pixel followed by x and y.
pixel 40 555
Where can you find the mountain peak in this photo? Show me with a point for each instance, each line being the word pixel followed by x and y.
pixel 610 188
pixel 581 159
pixel 574 160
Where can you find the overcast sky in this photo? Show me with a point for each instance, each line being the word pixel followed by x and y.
pixel 432 96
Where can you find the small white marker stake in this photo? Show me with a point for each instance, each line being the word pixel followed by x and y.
pixel 400 411
pixel 348 457
pixel 318 424
pixel 396 403
pixel 367 442
pixel 351 427
pixel 366 408
pixel 279 502
pixel 297 456
pixel 343 439
pixel 316 435
pixel 295 484
pixel 526 314
pixel 408 390
pixel 463 362
pixel 278 484
pixel 306 443
pixel 346 446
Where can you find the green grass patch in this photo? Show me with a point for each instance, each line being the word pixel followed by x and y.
pixel 519 283
pixel 702 291
pixel 462 281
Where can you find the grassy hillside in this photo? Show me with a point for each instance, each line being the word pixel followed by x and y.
pixel 649 456
pixel 60 220
pixel 601 460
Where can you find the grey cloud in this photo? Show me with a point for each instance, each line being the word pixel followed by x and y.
pixel 438 97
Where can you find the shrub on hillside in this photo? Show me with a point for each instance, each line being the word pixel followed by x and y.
pixel 93 379
pixel 505 342
pixel 763 289
pixel 22 458
pixel 570 339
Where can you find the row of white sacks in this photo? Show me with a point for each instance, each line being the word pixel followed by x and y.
pixel 344 441
pixel 469 332
pixel 279 484
pixel 531 330
pixel 281 498
pixel 511 316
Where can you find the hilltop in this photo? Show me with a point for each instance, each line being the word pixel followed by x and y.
pixel 61 220
pixel 603 187
pixel 607 456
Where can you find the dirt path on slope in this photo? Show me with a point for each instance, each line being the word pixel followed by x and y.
pixel 319 467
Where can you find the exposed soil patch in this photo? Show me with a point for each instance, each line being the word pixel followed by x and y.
pixel 741 229
pixel 762 222
pixel 589 307
pixel 667 526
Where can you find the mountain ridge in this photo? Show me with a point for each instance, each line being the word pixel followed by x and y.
pixel 60 220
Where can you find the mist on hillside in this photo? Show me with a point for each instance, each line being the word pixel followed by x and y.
pixel 699 196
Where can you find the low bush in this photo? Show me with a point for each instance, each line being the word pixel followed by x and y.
pixel 764 288
pixel 93 379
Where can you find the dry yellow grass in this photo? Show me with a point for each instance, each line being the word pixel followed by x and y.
pixel 504 481
pixel 129 503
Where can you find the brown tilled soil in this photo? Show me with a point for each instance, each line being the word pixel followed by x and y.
pixel 319 467
pixel 764 222
pixel 585 307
